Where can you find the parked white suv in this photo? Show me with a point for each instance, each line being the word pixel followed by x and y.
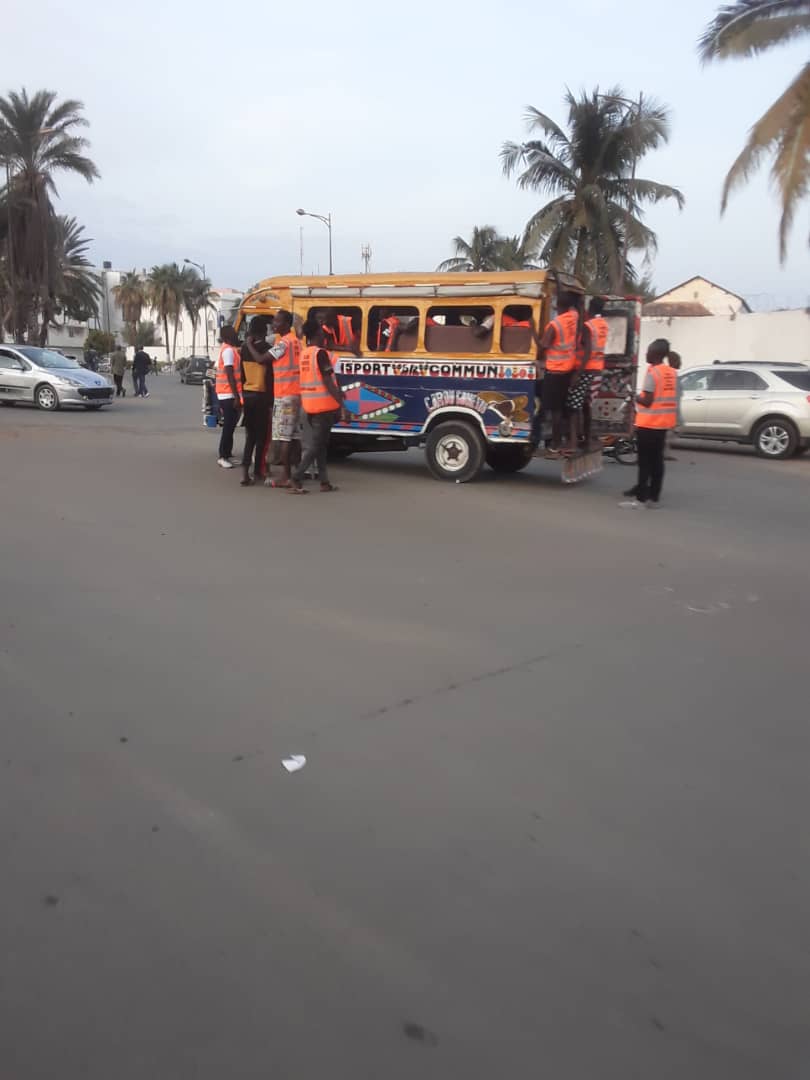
pixel 761 404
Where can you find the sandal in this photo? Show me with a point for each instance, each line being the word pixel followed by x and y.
pixel 329 487
pixel 297 491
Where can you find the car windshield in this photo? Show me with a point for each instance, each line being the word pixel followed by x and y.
pixel 46 358
pixel 799 379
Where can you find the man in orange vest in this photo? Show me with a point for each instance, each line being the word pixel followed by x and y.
pixel 229 392
pixel 558 350
pixel 286 353
pixel 591 364
pixel 322 401
pixel 339 332
pixel 656 414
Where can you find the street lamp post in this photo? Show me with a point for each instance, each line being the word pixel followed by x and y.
pixel 201 267
pixel 327 220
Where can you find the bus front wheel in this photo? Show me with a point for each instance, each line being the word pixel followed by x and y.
pixel 510 458
pixel 455 451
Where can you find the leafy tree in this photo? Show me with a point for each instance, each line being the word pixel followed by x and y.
pixel 142 335
pixel 488 250
pixel 99 341
pixel 595 216
pixel 130 297
pixel 38 139
pixel 747 28
pixel 165 288
pixel 73 287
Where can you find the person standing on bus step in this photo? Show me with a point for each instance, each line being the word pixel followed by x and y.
pixel 229 392
pixel 590 365
pixel 558 348
pixel 322 401
pixel 656 414
pixel 339 333
pixel 257 397
pixel 286 354
pixel 141 364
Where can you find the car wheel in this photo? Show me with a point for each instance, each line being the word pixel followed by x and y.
pixel 455 451
pixel 776 439
pixel 508 459
pixel 46 397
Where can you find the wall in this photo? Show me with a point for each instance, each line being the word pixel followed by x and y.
pixel 769 335
pixel 700 291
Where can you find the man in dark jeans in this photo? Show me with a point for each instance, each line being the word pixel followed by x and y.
pixel 229 392
pixel 322 401
pixel 141 363
pixel 257 395
pixel 656 414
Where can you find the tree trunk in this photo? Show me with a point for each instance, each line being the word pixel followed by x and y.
pixel 193 335
pixel 174 338
pixel 166 333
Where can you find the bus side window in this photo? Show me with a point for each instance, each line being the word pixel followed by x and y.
pixel 393 329
pixel 342 323
pixel 516 329
pixel 459 329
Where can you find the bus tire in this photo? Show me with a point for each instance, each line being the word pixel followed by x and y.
pixel 455 451
pixel 509 459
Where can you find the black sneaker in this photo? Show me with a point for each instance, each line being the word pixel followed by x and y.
pixel 631 493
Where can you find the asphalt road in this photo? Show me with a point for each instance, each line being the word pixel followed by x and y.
pixel 553 821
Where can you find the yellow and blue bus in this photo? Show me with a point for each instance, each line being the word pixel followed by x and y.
pixel 449 361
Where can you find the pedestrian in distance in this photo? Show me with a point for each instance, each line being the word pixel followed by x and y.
pixel 656 412
pixel 229 392
pixel 141 364
pixel 322 401
pixel 257 398
pixel 118 367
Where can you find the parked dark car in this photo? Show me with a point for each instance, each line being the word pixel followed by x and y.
pixel 194 370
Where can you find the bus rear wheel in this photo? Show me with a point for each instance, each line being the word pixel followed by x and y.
pixel 455 451
pixel 509 459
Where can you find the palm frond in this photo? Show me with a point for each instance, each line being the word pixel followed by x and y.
pixel 752 26
pixel 791 167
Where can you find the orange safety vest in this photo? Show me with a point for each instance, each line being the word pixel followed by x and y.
pixel 663 413
pixel 287 368
pixel 345 333
pixel 222 385
pixel 508 320
pixel 561 357
pixel 315 398
pixel 599 334
pixel 387 344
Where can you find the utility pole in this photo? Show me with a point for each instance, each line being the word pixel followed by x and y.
pixel 365 255
pixel 12 277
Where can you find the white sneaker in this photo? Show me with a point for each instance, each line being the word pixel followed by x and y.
pixel 224 463
pixel 633 504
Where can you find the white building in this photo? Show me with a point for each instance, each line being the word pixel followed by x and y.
pixel 698 292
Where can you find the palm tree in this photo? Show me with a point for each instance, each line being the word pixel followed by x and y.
pixel 488 250
pixel 73 287
pixel 595 215
pixel 130 296
pixel 37 140
pixel 746 28
pixel 196 299
pixel 165 295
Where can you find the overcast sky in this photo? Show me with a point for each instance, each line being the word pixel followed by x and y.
pixel 211 123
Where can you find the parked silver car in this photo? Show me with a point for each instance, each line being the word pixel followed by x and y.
pixel 48 379
pixel 761 404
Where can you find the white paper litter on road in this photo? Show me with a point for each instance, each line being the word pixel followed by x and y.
pixel 294 762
